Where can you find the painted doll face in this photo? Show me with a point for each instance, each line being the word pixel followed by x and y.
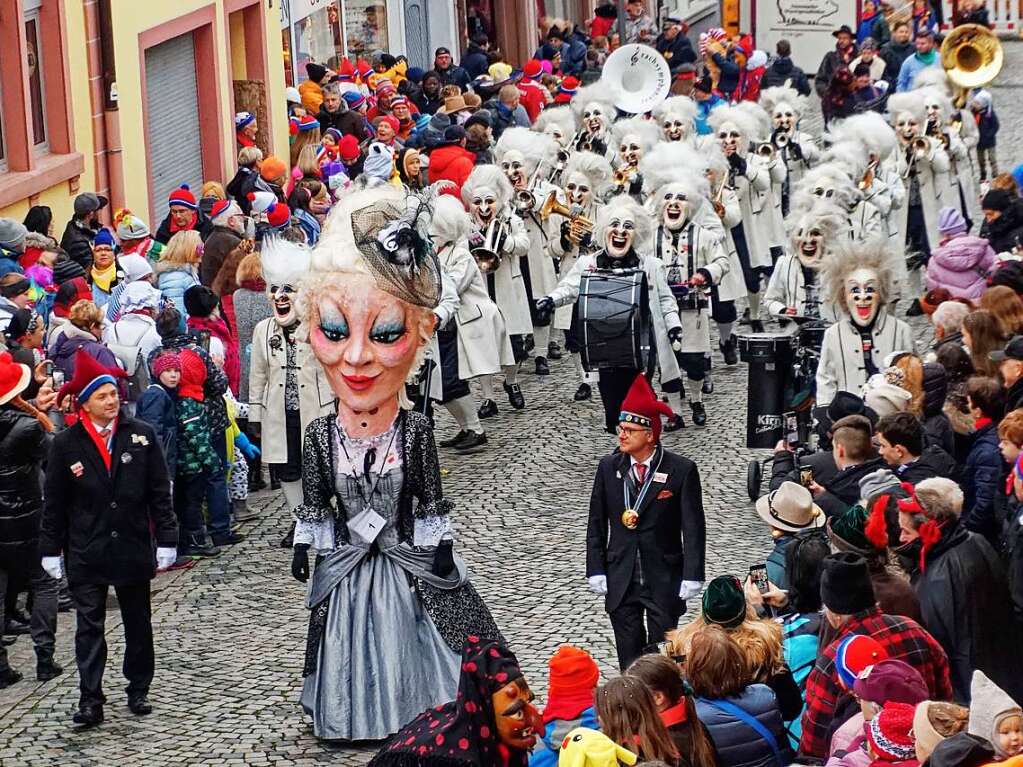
pixel 784 117
pixel 907 127
pixel 621 232
pixel 675 212
pixel 933 107
pixel 483 205
pixel 282 298
pixel 514 167
pixel 730 138
pixel 810 246
pixel 366 340
pixel 578 190
pixel 594 118
pixel 675 128
pixel 861 296
pixel 630 150
pixel 518 722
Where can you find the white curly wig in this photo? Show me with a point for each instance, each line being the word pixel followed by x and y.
pixel 284 262
pixel 849 157
pixel 624 207
pixel 831 177
pixel 869 129
pixel 534 147
pixel 695 188
pixel 908 101
pixel 934 96
pixel 597 92
pixel 743 120
pixel 560 116
pixel 647 131
pixel 675 107
pixel 488 177
pixel 594 167
pixel 772 98
pixel 760 117
pixel 831 221
pixel 450 221
pixel 845 257
pixel 933 77
pixel 662 164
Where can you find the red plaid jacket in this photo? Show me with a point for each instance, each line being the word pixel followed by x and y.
pixel 904 639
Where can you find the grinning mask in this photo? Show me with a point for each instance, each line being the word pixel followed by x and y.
pixel 675 128
pixel 620 234
pixel 907 127
pixel 630 150
pixel 483 205
pixel 514 168
pixel 675 210
pixel 933 107
pixel 518 722
pixel 578 191
pixel 283 299
pixel 810 246
pixel 594 119
pixel 731 138
pixel 862 296
pixel 784 118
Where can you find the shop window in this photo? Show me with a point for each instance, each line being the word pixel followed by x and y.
pixel 366 26
pixel 318 38
pixel 289 71
pixel 36 90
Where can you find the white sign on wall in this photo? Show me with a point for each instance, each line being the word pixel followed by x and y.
pixel 807 24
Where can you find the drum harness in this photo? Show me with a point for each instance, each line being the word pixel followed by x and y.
pixel 684 300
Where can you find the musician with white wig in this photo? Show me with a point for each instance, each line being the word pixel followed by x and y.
pixel 624 232
pixel 676 117
pixel 833 182
pixel 472 339
pixel 796 149
pixel 939 114
pixel 488 194
pixel 767 210
pixel 524 156
pixel 558 123
pixel 632 138
pixel 594 113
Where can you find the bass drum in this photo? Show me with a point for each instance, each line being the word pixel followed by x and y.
pixel 614 319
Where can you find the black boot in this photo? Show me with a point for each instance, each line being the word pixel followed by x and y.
pixel 453 441
pixel 46 669
pixel 88 715
pixel 584 392
pixel 9 676
pixel 699 413
pixel 675 423
pixel 488 409
pixel 515 398
pixel 756 326
pixel 542 369
pixel 473 442
pixel 728 352
pixel 915 310
pixel 707 387
pixel 553 351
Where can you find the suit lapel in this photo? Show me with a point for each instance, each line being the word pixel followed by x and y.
pixel 655 486
pixel 89 450
pixel 117 447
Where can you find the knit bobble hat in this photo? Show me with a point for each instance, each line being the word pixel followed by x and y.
pixel 14 378
pixel 278 216
pixel 951 221
pixel 354 99
pixel 200 301
pixel 724 603
pixel 890 733
pixel 846 588
pixel 348 148
pixel 183 196
pixel 854 653
pixel 241 119
pixel 316 72
pixel 166 360
pixel 103 238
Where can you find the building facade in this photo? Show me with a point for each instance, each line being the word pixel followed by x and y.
pixel 131 99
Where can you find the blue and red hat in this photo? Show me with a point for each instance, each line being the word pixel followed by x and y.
pixel 183 197
pixel 354 99
pixel 566 90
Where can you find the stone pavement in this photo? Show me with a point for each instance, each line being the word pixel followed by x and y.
pixel 230 632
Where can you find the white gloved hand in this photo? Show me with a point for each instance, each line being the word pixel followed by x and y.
pixel 165 557
pixel 53 567
pixel 598 584
pixel 690 589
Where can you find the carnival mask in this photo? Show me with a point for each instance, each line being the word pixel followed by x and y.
pixel 907 127
pixel 862 296
pixel 824 192
pixel 730 138
pixel 933 112
pixel 784 118
pixel 483 206
pixel 676 210
pixel 620 234
pixel 518 722
pixel 630 150
pixel 674 129
pixel 559 135
pixel 578 191
pixel 514 168
pixel 282 298
pixel 366 340
pixel 593 117
pixel 810 246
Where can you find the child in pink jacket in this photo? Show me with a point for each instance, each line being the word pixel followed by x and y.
pixel 961 263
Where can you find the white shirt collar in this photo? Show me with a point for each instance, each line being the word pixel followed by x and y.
pixel 633 461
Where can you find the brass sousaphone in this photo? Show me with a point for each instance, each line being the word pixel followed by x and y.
pixel 971 56
pixel 637 77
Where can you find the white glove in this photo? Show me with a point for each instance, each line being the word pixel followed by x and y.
pixel 53 567
pixel 690 589
pixel 165 557
pixel 598 584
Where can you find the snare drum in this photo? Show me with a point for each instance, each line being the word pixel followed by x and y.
pixel 811 335
pixel 614 317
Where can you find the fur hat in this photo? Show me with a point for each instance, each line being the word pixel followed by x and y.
pixel 837 185
pixel 849 158
pixel 760 118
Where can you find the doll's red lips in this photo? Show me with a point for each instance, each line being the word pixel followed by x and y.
pixel 359 383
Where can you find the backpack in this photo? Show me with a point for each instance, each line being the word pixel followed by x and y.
pixel 130 357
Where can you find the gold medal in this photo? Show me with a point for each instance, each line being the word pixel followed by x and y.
pixel 630 518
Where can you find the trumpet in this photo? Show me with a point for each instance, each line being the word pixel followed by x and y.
pixel 579 225
pixel 921 148
pixel 621 176
pixel 488 255
pixel 525 201
pixel 780 139
pixel 766 150
pixel 719 206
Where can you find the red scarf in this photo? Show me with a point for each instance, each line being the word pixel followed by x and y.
pixel 191 224
pixel 567 707
pixel 244 140
pixel 674 715
pixel 97 440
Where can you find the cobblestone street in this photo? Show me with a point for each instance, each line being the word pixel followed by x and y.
pixel 230 632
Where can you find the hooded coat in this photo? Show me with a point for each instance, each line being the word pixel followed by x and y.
pixel 961 266
pixel 981 480
pixel 1006 231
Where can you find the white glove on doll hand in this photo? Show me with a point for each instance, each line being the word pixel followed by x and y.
pixel 690 589
pixel 52 567
pixel 165 557
pixel 598 584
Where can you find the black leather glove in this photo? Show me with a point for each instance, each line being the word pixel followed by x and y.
pixel 675 337
pixel 737 163
pixel 566 244
pixel 795 151
pixel 586 240
pixel 300 562
pixel 444 558
pixel 544 309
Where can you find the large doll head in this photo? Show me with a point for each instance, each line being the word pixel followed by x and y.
pixel 675 117
pixel 585 178
pixel 520 151
pixel 908 114
pixel 486 193
pixel 859 278
pixel 813 232
pixel 367 301
pixel 785 106
pixel 623 226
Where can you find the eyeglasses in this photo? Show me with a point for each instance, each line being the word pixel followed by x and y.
pixel 624 431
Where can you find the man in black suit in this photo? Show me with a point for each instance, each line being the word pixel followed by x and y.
pixel 645 537
pixel 106 497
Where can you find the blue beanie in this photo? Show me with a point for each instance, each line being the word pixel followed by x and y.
pixel 354 99
pixel 415 74
pixel 103 237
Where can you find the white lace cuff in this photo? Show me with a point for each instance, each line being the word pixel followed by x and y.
pixel 429 530
pixel 319 535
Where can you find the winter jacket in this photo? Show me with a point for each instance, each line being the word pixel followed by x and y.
pixel 833 61
pixel 965 601
pixel 1006 231
pixel 245 181
pixel 784 469
pixel 987 127
pixel 1014 396
pixel 980 481
pixel 843 490
pixel 218 328
pixel 251 306
pixel 1012 542
pixel 911 67
pixel 548 746
pixel 451 163
pixel 737 744
pixel 195 446
pixel 158 407
pixel 347 121
pixel 933 462
pixel 961 266
pixel 172 280
pixel 783 72
pixel 77 241
pixel 216 382
pixel 937 426
pixel 201 225
pixel 23 446
pixel 218 246
pixel 776 561
pixel 474 61
pixel 800 639
pixel 677 51
pixel 35 245
pixel 454 75
pixel 312 96
pixel 728 81
pixel 894 54
pixel 70 341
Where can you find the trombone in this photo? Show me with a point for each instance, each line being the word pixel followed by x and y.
pixel 578 224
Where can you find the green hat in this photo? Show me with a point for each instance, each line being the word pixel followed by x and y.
pixel 846 530
pixel 724 602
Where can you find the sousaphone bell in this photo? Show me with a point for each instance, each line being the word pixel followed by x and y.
pixel 638 77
